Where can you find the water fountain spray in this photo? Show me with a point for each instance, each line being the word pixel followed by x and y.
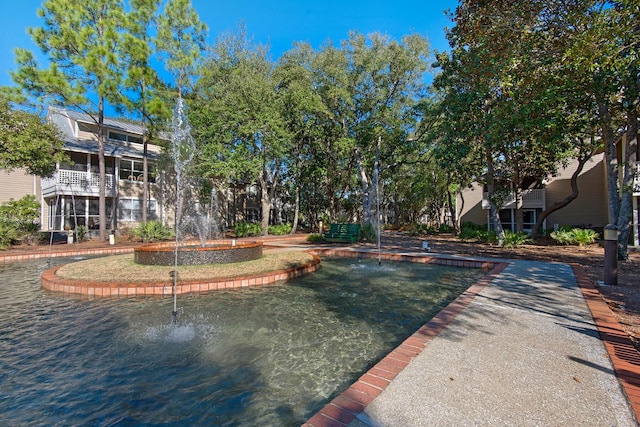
pixel 182 152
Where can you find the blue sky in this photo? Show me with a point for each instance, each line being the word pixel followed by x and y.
pixel 276 23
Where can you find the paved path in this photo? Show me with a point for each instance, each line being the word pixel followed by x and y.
pixel 525 351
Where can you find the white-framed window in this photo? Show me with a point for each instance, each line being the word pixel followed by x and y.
pixel 131 170
pixel 118 136
pixel 130 209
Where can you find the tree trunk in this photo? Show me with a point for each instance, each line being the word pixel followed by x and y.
pixel 611 160
pixel 145 173
pixel 102 199
pixel 626 202
pixel 564 202
pixel 452 207
pixel 494 211
pixel 517 191
pixel 296 210
pixel 265 203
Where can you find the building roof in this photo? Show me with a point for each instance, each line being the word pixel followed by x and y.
pixel 65 119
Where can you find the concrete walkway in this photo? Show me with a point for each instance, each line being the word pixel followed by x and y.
pixel 523 351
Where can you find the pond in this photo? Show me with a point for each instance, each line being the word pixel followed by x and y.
pixel 268 356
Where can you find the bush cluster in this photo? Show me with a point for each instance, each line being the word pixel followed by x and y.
pixel 470 232
pixel 279 230
pixel 368 233
pixel 575 236
pixel 152 231
pixel 513 240
pixel 245 229
pixel 19 221
pixel 315 238
pixel 424 229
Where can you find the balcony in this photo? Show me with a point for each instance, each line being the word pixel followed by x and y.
pixel 77 183
pixel 531 199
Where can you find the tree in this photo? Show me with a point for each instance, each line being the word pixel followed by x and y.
pixel 240 128
pixel 387 80
pixel 534 111
pixel 143 86
pixel 301 105
pixel 26 141
pixel 180 41
pixel 606 51
pixel 81 40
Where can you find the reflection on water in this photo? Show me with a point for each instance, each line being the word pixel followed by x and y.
pixel 258 356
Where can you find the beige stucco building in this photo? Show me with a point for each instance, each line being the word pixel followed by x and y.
pixel 588 210
pixel 70 197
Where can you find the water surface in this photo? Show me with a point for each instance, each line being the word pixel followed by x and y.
pixel 266 356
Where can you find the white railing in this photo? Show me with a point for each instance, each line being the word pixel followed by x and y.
pixel 530 199
pixel 636 180
pixel 77 182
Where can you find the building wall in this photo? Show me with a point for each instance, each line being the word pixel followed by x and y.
pixel 17 184
pixel 590 208
pixel 472 210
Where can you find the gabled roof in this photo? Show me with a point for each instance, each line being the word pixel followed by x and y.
pixel 65 119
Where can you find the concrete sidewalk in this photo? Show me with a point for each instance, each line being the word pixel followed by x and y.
pixel 525 351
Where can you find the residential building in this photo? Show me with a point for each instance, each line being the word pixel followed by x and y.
pixel 588 210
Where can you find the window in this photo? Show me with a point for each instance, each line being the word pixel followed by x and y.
pixel 131 170
pixel 131 209
pixel 117 136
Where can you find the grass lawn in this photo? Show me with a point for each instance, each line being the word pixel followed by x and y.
pixel 122 268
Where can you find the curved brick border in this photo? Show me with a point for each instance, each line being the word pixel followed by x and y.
pixel 50 281
pixel 418 258
pixel 624 356
pixel 64 253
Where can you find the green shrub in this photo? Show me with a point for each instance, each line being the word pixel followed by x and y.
pixel 152 231
pixel 488 237
pixel 473 226
pixel 512 240
pixel 24 213
pixel 279 230
pixel 245 229
pixel 82 233
pixel 315 238
pixel 445 228
pixel 8 233
pixel 19 220
pixel 574 236
pixel 368 232
pixel 562 236
pixel 468 234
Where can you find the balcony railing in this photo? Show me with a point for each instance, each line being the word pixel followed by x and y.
pixel 531 199
pixel 78 183
pixel 636 180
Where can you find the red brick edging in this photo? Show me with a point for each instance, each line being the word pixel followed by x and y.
pixel 52 282
pixel 354 400
pixel 418 258
pixel 624 356
pixel 25 256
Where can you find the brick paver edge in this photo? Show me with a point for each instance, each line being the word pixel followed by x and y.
pixel 622 353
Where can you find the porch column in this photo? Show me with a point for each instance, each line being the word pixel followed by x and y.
pixel 63 202
pixel 86 212
pixel 636 238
